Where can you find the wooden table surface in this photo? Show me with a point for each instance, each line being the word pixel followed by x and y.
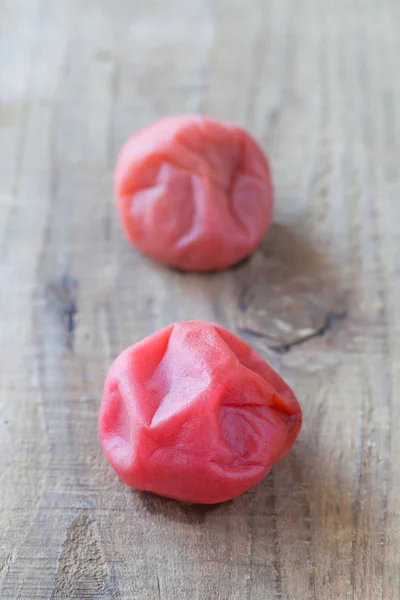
pixel 318 84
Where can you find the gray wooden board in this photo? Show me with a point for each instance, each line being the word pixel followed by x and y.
pixel 317 83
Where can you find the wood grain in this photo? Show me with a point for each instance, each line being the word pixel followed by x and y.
pixel 317 83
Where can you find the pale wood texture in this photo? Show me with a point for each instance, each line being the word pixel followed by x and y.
pixel 317 82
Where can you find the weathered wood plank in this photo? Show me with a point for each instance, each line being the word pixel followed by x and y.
pixel 317 84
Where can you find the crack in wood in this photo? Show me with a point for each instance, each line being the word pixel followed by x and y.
pixel 330 322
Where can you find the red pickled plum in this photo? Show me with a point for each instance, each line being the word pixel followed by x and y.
pixel 193 192
pixel 193 413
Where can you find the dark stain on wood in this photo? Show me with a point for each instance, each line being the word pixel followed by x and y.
pixel 62 296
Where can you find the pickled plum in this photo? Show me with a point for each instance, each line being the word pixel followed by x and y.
pixel 193 192
pixel 193 413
